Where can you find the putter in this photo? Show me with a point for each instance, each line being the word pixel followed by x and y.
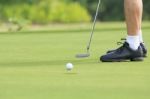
pixel 87 54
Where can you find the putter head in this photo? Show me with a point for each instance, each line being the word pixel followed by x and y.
pixel 82 55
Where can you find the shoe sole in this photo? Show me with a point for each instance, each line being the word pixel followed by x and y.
pixel 144 55
pixel 137 59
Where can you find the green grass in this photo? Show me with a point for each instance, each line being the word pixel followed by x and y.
pixel 32 65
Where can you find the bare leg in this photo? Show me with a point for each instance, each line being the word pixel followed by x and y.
pixel 133 14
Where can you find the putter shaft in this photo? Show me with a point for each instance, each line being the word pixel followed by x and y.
pixel 91 36
pixel 93 28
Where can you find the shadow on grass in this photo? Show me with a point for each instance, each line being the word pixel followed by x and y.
pixel 71 73
pixel 65 31
pixel 60 31
pixel 61 62
pixel 47 63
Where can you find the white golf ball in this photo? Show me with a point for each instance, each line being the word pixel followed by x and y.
pixel 69 66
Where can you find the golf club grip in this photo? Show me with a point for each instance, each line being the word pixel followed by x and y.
pixel 94 23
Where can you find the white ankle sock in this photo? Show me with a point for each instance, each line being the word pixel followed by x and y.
pixel 140 36
pixel 133 41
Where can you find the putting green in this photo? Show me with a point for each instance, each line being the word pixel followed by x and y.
pixel 32 65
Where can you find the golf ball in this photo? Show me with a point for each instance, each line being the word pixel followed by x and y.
pixel 69 66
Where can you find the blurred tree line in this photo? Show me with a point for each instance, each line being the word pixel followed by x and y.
pixel 112 10
pixel 45 11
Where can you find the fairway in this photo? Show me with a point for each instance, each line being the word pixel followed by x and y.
pixel 32 64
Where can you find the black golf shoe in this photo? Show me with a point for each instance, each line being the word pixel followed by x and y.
pixel 124 53
pixel 144 49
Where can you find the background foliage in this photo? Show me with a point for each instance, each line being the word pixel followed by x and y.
pixel 46 11
pixel 112 10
